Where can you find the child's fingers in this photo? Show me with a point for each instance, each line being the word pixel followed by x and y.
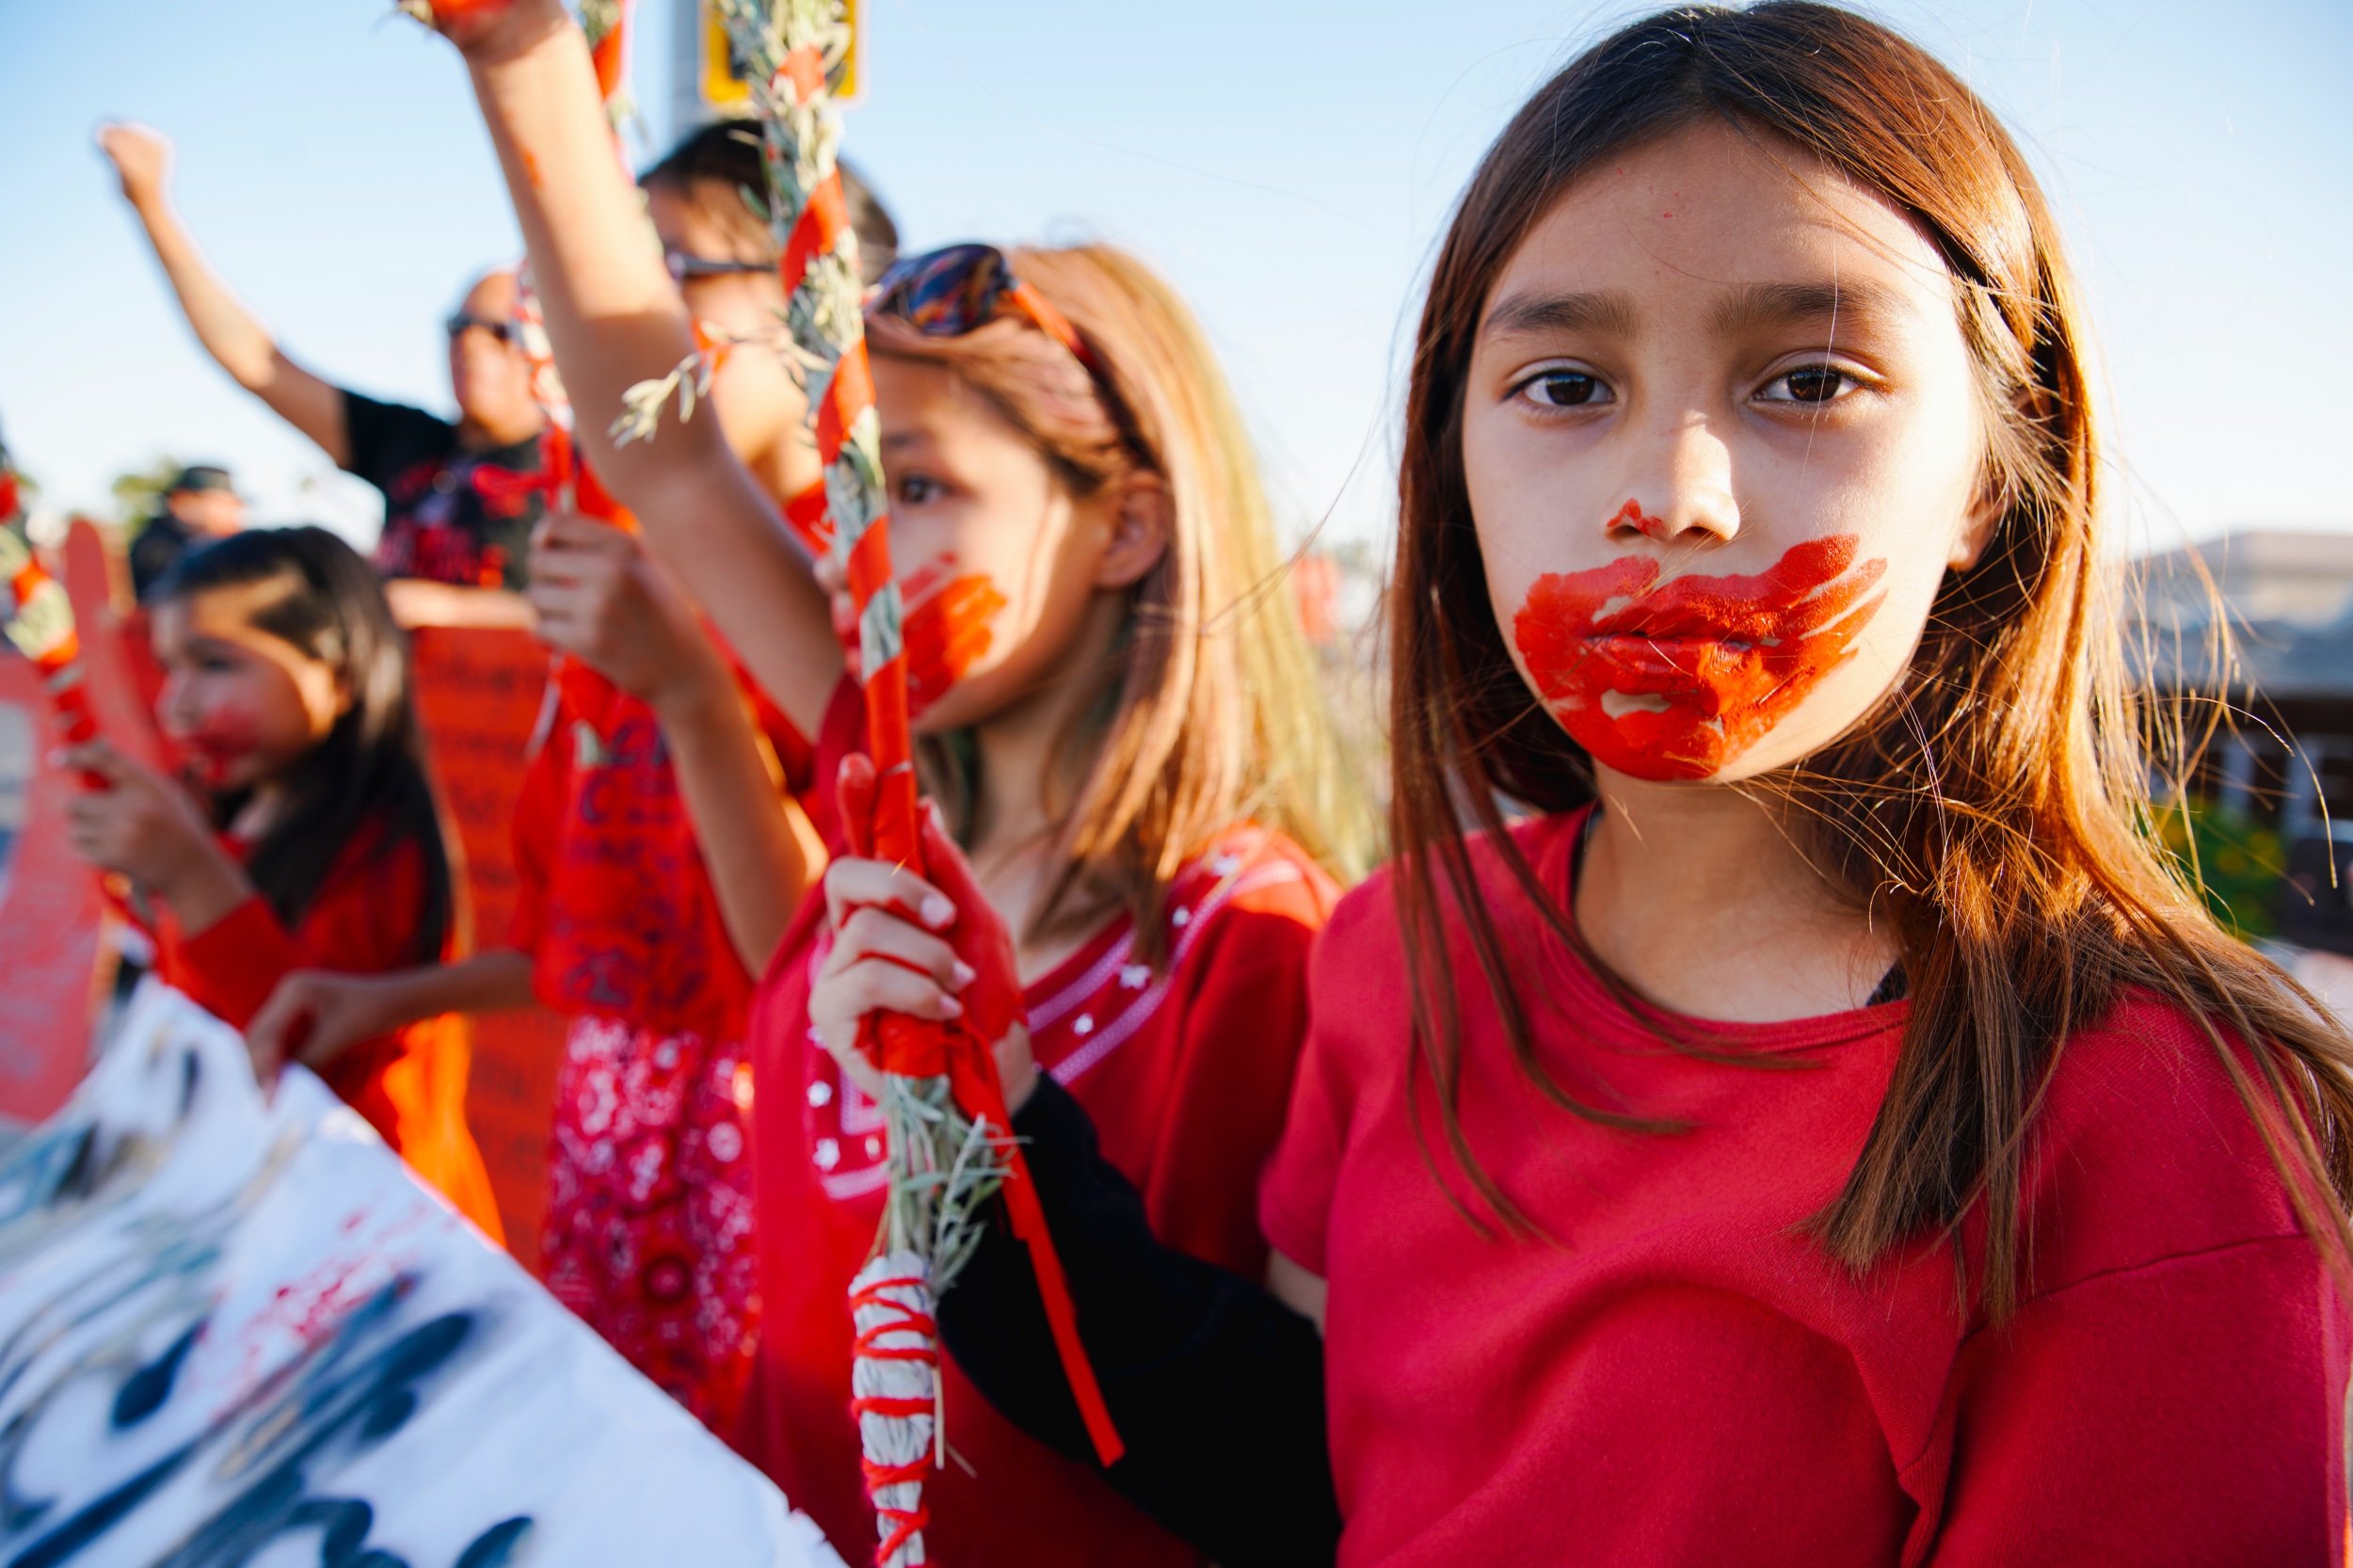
pixel 95 756
pixel 850 883
pixel 853 802
pixel 839 1036
pixel 267 1060
pixel 570 531
pixel 944 861
pixel 873 932
pixel 879 986
pixel 559 566
pixel 567 613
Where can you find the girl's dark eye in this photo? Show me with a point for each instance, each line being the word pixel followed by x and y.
pixel 916 488
pixel 1810 384
pixel 1564 388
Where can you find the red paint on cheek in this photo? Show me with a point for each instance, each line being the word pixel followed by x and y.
pixel 224 738
pixel 1698 668
pixel 948 631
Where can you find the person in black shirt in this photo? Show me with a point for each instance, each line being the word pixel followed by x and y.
pixel 448 517
pixel 202 504
pixel 444 521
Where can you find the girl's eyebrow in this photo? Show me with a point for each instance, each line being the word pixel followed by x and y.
pixel 1533 315
pixel 1765 305
pixel 1744 308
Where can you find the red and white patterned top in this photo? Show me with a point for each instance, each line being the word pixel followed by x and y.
pixel 1187 1072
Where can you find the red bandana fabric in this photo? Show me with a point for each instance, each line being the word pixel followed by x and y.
pixel 649 1229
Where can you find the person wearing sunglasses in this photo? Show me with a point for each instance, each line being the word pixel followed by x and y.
pixel 1118 721
pixel 723 260
pixel 443 523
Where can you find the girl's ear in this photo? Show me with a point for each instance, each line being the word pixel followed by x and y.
pixel 326 701
pixel 1985 515
pixel 1141 524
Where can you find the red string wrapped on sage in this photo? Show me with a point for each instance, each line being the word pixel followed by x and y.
pixel 951 1144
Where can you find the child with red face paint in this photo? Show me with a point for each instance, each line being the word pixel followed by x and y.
pixel 654 747
pixel 1115 714
pixel 310 838
pixel 1663 1163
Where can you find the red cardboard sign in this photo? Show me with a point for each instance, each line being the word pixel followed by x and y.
pixel 478 691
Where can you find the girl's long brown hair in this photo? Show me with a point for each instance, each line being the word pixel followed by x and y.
pixel 1994 811
pixel 1209 712
pixel 369 776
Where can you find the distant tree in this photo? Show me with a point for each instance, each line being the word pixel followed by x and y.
pixel 2236 861
pixel 139 493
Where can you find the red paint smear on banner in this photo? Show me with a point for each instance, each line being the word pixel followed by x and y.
pixel 1714 662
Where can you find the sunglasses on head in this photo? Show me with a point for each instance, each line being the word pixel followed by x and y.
pixel 457 325
pixel 684 268
pixel 962 288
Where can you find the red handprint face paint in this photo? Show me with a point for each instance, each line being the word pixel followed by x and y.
pixel 947 634
pixel 950 627
pixel 1677 679
pixel 1632 516
pixel 220 747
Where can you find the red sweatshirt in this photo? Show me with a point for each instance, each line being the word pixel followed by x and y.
pixel 1186 1073
pixel 409 1085
pixel 1686 1377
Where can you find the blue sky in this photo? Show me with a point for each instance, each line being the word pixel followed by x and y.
pixel 1288 164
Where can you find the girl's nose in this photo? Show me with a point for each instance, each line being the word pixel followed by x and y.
pixel 1684 491
pixel 172 706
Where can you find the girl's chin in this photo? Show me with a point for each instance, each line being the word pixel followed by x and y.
pixel 222 777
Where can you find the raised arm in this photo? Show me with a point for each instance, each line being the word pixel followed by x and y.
pixel 615 319
pixel 230 332
pixel 601 599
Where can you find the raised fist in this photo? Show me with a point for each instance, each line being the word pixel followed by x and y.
pixel 489 30
pixel 141 158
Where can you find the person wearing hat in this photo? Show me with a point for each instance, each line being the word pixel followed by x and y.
pixel 450 515
pixel 201 504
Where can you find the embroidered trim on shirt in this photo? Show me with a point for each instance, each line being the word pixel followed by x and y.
pixel 1109 1037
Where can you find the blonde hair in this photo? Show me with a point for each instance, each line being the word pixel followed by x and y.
pixel 1211 713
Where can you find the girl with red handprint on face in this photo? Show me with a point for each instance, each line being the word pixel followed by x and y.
pixel 1118 718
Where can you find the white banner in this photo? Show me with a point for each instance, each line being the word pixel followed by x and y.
pixel 234 1333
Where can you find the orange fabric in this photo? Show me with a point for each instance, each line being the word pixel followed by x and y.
pixel 409 1085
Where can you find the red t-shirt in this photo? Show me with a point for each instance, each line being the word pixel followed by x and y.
pixel 613 900
pixel 1186 1073
pixel 409 1085
pixel 1686 1376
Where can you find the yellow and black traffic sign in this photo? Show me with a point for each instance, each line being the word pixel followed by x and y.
pixel 722 74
